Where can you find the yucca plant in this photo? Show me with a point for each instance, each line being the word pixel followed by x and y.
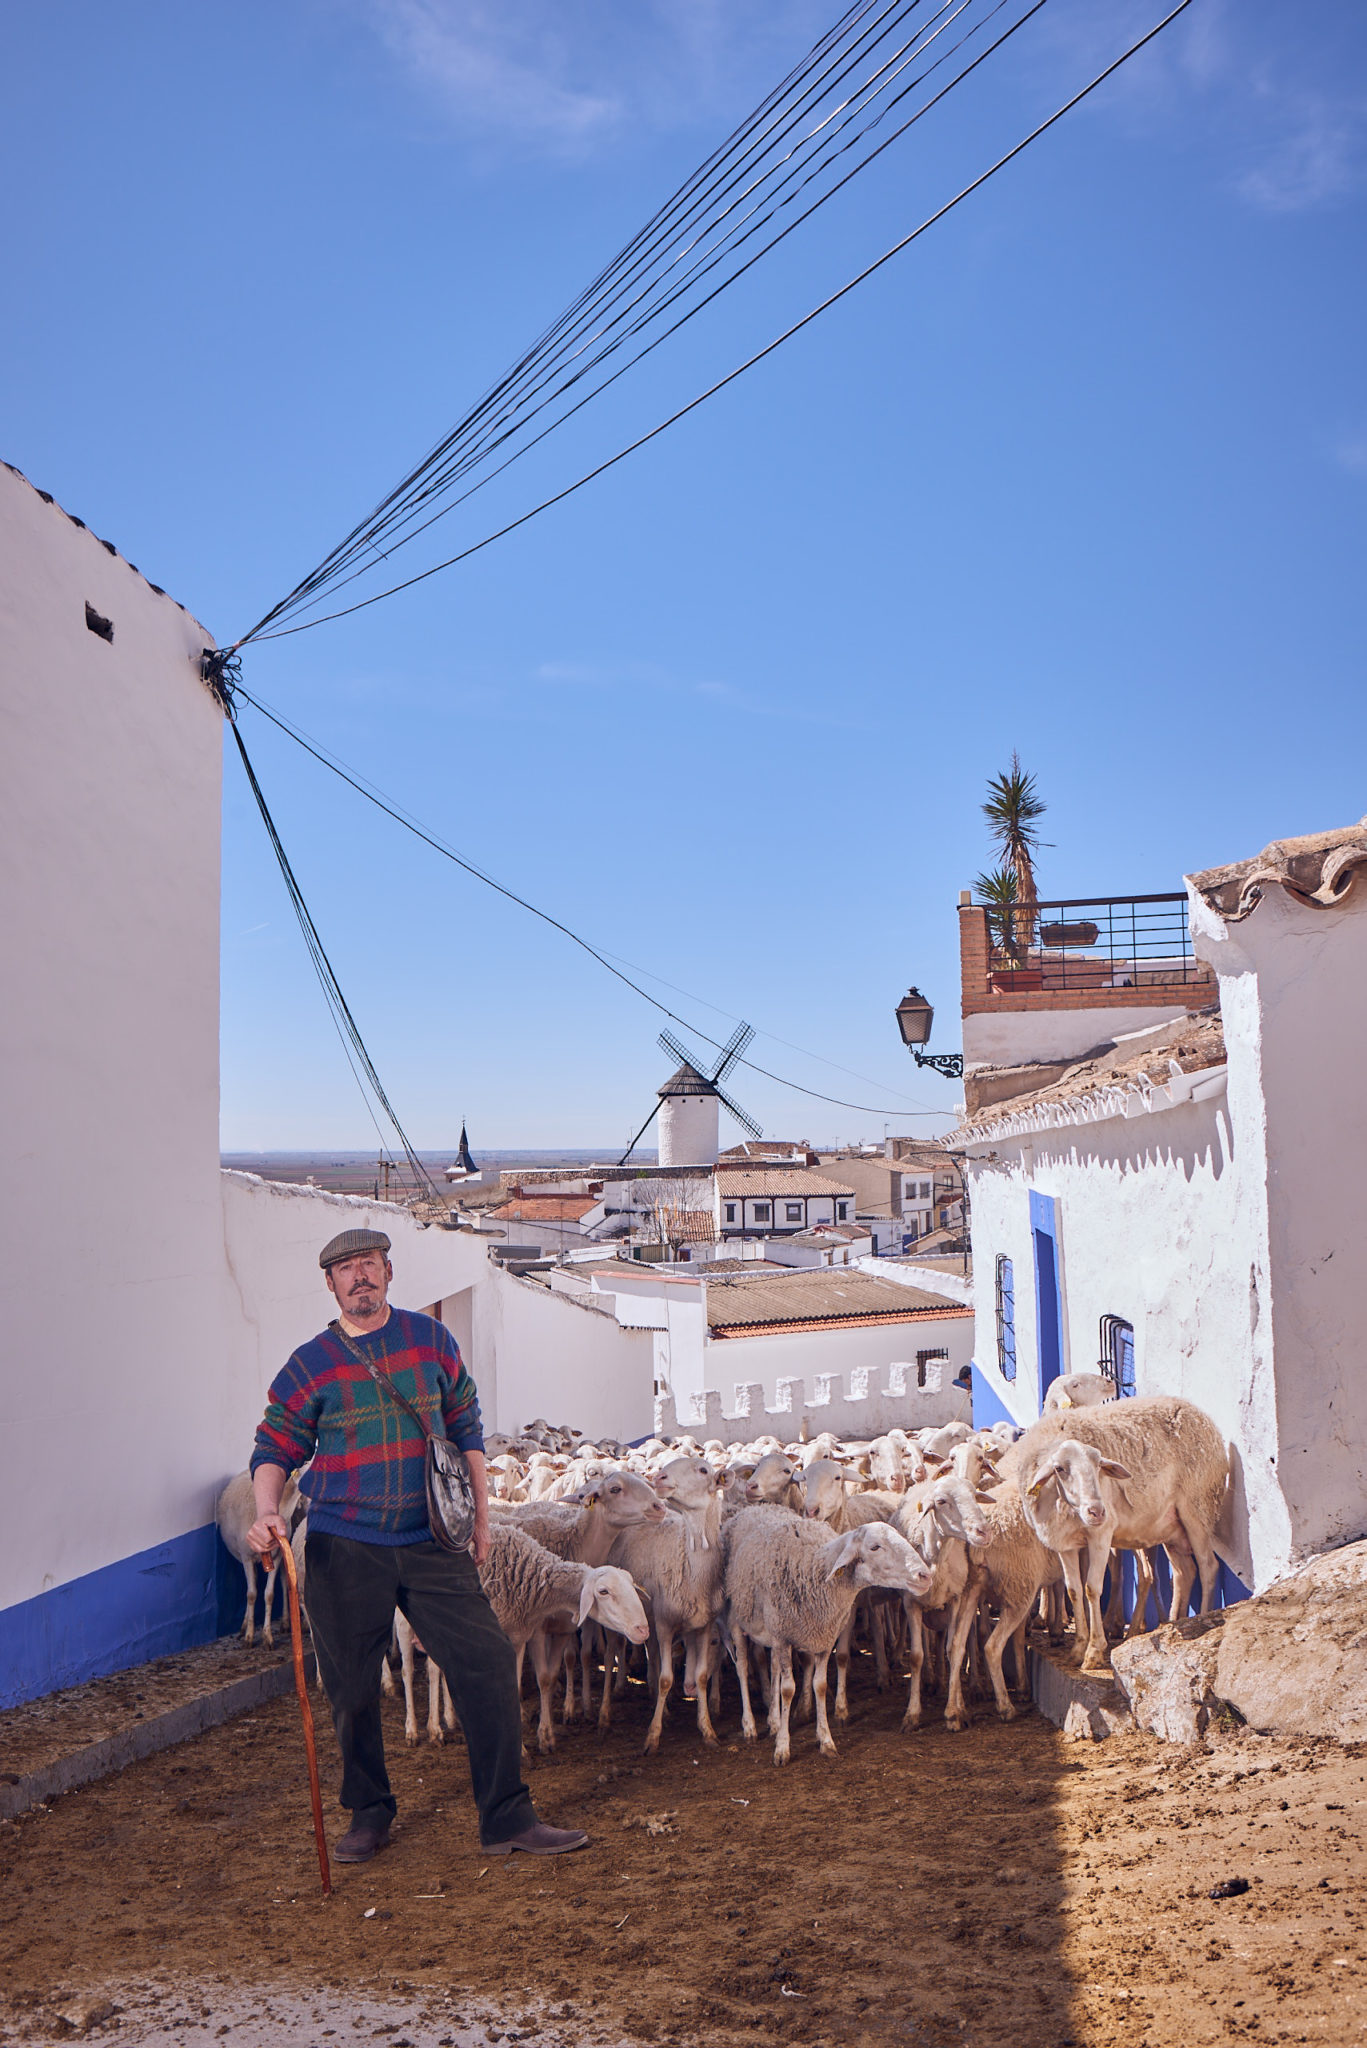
pixel 1012 811
pixel 997 889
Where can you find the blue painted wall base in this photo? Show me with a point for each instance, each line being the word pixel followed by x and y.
pixel 169 1598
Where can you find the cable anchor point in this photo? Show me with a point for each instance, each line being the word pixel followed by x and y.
pixel 221 668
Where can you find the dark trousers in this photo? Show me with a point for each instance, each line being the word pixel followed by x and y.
pixel 352 1590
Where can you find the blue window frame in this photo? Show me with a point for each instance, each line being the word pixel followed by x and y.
pixel 1006 1318
pixel 1117 1353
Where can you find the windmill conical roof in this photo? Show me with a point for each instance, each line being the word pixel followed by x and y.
pixel 686 1080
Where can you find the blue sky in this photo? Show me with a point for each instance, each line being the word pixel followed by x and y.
pixel 1083 473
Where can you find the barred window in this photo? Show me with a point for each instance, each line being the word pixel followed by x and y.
pixel 925 1358
pixel 1006 1318
pixel 1117 1353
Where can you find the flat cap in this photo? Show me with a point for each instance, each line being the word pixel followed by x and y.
pixel 348 1243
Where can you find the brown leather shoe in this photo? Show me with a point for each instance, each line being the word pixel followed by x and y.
pixel 359 1844
pixel 539 1840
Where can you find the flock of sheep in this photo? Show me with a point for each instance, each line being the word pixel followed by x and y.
pixel 938 1543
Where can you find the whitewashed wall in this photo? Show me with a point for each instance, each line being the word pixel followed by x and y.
pixel 1161 1221
pixel 1009 1038
pixel 1225 1230
pixel 111 1286
pixel 277 1296
pixel 1293 987
pixel 554 1356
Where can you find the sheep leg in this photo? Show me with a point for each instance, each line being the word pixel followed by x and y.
pixel 435 1682
pixel 842 1668
pixel 1115 1599
pixel 740 1650
pixel 878 1632
pixel 775 1668
pixel 664 1682
pixel 566 1654
pixel 612 1647
pixel 267 1631
pixel 916 1656
pixel 1011 1620
pixel 1143 1586
pixel 410 1718
pixel 590 1636
pixel 1199 1537
pixel 248 1630
pixel 825 1740
pixel 1077 1600
pixel 783 1693
pixel 956 1713
pixel 546 1665
pixel 702 1673
pixel 1097 1657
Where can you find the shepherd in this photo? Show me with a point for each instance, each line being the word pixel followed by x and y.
pixel 369 1548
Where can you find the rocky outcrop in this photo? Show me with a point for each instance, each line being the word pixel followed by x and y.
pixel 1292 1661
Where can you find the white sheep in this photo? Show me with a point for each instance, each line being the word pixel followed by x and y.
pixel 531 1591
pixel 940 1519
pixel 1079 1390
pixel 1128 1475
pixel 678 1564
pixel 235 1512
pixel 790 1586
pixel 1013 1567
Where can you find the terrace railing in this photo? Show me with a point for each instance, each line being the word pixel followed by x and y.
pixel 1083 943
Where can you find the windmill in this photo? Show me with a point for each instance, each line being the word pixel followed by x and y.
pixel 687 1103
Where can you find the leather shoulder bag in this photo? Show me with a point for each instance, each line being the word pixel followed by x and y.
pixel 450 1491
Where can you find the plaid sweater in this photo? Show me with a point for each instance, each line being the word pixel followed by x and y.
pixel 367 1478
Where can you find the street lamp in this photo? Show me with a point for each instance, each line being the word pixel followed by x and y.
pixel 914 1019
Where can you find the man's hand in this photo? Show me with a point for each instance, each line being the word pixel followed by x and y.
pixel 479 1542
pixel 264 1534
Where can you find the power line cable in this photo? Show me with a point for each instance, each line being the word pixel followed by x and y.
pixel 340 574
pixel 586 306
pixel 331 986
pixel 408 500
pixel 682 412
pixel 419 831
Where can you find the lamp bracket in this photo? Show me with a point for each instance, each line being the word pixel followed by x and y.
pixel 950 1064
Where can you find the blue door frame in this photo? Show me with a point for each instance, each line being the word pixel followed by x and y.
pixel 1048 1291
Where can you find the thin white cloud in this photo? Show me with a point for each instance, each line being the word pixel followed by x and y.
pixel 1268 97
pixel 1350 453
pixel 497 67
pixel 563 76
pixel 1315 158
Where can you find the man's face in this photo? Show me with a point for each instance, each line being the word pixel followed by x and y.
pixel 361 1284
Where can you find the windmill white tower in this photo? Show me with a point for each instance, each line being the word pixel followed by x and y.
pixel 688 1104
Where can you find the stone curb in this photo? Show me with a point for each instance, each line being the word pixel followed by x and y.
pixel 1087 1708
pixel 163 1731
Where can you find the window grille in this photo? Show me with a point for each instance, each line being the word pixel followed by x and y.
pixel 761 1212
pixel 925 1358
pixel 1006 1318
pixel 1117 1353
pixel 842 1210
pixel 730 1212
pixel 794 1211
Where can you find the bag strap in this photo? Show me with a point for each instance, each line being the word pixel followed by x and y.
pixel 381 1379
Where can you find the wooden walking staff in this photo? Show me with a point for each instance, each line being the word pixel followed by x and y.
pixel 301 1686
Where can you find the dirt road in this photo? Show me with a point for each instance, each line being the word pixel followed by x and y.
pixel 1002 1886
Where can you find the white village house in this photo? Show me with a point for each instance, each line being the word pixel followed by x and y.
pixel 1166 1147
